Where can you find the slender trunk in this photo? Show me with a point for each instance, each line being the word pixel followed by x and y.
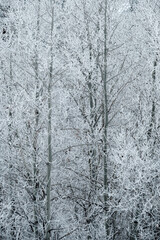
pixel 151 131
pixel 105 119
pixel 49 165
pixel 35 163
pixel 10 142
pixel 92 150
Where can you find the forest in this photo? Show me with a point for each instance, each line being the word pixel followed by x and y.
pixel 79 120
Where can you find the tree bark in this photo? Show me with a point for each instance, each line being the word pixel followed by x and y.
pixel 105 119
pixel 35 164
pixel 49 164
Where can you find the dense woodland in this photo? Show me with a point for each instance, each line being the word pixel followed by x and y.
pixel 79 120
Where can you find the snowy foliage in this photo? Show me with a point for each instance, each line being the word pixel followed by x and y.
pixel 80 121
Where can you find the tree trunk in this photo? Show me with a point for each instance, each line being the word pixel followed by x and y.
pixel 35 164
pixel 10 142
pixel 152 130
pixel 105 119
pixel 49 164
